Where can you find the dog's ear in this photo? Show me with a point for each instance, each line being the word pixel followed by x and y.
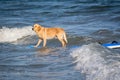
pixel 36 25
pixel 38 28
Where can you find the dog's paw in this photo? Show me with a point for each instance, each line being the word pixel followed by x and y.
pixel 35 46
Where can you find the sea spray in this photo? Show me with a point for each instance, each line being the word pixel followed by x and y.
pixel 12 34
pixel 93 60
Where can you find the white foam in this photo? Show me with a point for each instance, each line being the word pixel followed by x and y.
pixel 97 62
pixel 12 34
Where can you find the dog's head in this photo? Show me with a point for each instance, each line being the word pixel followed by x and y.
pixel 36 28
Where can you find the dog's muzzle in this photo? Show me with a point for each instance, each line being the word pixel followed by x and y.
pixel 32 28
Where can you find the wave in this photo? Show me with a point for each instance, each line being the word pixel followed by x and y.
pixel 13 34
pixel 97 62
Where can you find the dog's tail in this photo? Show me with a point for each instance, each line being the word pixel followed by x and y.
pixel 65 38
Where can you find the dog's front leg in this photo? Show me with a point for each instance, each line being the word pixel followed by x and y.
pixel 39 41
pixel 44 43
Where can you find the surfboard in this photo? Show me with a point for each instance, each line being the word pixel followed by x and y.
pixel 112 45
pixel 30 46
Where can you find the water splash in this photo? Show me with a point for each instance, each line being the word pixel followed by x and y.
pixel 97 62
pixel 12 34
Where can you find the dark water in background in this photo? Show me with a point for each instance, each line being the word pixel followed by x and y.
pixel 85 21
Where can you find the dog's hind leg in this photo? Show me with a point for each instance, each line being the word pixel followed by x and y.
pixel 61 40
pixel 65 38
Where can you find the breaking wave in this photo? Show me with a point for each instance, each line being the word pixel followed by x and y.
pixel 13 34
pixel 97 62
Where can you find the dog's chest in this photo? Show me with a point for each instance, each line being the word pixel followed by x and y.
pixel 40 34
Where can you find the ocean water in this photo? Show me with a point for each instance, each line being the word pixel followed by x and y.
pixel 86 23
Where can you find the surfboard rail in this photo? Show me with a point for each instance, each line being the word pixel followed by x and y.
pixel 112 45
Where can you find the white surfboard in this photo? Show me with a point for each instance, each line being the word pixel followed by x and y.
pixel 112 45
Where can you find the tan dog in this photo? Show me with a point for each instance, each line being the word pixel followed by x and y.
pixel 49 33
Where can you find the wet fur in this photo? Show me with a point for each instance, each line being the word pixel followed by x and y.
pixel 49 33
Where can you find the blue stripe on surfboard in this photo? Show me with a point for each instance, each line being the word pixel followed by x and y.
pixel 109 44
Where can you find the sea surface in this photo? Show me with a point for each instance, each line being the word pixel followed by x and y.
pixel 86 22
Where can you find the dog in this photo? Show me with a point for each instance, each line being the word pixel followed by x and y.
pixel 45 33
